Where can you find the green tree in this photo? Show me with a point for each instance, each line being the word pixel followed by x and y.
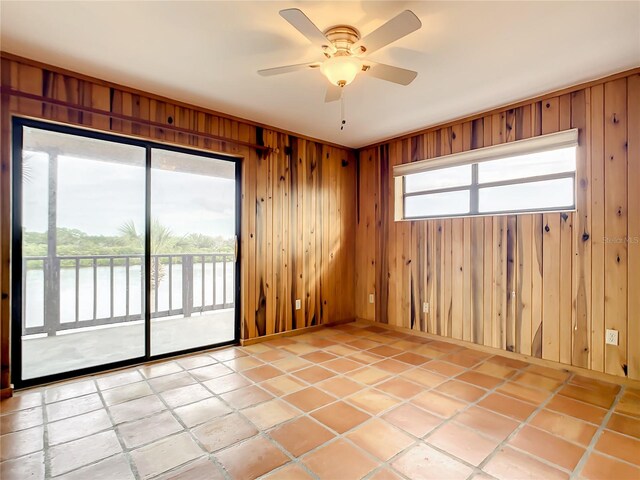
pixel 162 241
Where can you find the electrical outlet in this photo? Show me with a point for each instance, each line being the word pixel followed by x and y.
pixel 298 304
pixel 371 298
pixel 425 307
pixel 611 337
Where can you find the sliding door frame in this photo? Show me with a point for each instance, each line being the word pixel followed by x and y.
pixel 18 124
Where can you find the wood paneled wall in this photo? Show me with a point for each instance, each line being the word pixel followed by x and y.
pixel 545 285
pixel 298 202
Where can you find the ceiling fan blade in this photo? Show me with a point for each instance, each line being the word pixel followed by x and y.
pixel 306 27
pixel 396 28
pixel 392 74
pixel 267 72
pixel 333 94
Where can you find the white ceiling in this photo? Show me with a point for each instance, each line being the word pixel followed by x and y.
pixel 471 56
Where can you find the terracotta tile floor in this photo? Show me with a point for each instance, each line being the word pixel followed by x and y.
pixel 355 401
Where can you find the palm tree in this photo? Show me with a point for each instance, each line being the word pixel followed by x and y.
pixel 27 167
pixel 162 239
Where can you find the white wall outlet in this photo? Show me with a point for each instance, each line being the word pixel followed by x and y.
pixel 298 304
pixel 372 298
pixel 611 337
pixel 425 307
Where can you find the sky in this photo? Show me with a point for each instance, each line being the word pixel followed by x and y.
pixel 98 197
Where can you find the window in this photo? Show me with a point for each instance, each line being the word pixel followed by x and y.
pixel 532 175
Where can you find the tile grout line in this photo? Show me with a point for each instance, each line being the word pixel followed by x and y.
pixel 46 454
pixel 183 425
pixel 126 454
pixel 525 422
pixel 262 433
pixel 105 407
pixel 48 474
pixel 596 436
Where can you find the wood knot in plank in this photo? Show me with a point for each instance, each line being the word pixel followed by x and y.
pixel 546 228
pixel 614 119
pixel 564 216
pixel 585 236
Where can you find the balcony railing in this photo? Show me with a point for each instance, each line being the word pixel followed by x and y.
pixel 184 274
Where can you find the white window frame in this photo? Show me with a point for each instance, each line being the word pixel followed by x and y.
pixel 543 143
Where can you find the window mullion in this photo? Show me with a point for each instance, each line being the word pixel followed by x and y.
pixel 474 189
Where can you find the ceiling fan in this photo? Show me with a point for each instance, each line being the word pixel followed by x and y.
pixel 344 51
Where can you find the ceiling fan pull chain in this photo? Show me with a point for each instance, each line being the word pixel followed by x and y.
pixel 342 120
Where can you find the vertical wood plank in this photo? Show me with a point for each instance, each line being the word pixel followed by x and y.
pixel 537 299
pixel 272 223
pixel 383 238
pixel 457 282
pixel 550 122
pixel 261 241
pixel 581 284
pixel 392 280
pixel 633 191
pixel 404 254
pixel 598 230
pixel 615 222
pixel 551 287
pixel 566 255
pixel 299 314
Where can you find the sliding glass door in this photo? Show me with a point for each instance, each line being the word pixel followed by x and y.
pixel 193 227
pixel 91 211
pixel 82 281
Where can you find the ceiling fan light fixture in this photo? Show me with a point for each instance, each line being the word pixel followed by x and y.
pixel 341 69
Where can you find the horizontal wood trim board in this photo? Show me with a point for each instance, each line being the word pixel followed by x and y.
pixel 117 116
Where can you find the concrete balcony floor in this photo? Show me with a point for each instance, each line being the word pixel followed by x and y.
pixel 74 350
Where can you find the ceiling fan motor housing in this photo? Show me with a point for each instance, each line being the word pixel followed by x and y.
pixel 342 37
